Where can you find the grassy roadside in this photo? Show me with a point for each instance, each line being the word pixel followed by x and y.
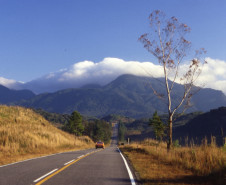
pixel 25 134
pixel 182 166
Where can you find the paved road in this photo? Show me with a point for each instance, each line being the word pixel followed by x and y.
pixel 93 166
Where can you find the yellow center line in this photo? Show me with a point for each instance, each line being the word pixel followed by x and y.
pixel 63 168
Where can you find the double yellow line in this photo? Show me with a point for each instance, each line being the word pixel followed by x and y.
pixel 63 168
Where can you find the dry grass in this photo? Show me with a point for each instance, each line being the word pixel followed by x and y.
pixel 25 134
pixel 183 165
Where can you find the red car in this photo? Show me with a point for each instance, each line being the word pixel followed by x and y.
pixel 99 144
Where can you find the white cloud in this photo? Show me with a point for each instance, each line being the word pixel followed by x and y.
pixel 108 69
pixel 103 72
pixel 89 72
pixel 214 74
pixel 6 82
pixel 9 83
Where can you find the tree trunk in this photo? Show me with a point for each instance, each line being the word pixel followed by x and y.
pixel 170 133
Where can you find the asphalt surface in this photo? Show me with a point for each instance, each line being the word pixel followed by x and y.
pixel 92 166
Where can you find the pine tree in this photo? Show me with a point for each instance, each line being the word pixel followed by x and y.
pixel 121 132
pixel 75 125
pixel 158 126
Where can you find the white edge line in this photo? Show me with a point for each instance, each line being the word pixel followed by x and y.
pixel 69 162
pixel 128 169
pixel 45 175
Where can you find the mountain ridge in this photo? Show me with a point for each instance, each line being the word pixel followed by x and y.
pixel 9 95
pixel 127 95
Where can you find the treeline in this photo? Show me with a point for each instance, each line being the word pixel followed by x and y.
pixel 53 117
pixel 121 132
pixel 95 129
pixel 78 125
pixel 98 130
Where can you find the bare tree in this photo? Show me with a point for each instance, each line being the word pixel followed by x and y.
pixel 166 41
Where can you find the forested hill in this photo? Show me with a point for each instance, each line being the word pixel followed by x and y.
pixel 9 95
pixel 212 123
pixel 127 95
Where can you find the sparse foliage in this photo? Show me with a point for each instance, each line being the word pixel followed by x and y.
pixel 166 41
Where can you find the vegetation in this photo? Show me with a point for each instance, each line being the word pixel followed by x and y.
pixel 139 129
pixel 204 125
pixel 167 43
pixel 74 125
pixel 121 132
pixel 55 118
pixel 92 127
pixel 158 126
pixel 187 128
pixel 205 164
pixel 25 134
pixel 118 118
pixel 98 130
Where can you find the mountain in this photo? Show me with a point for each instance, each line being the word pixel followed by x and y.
pixel 128 95
pixel 8 96
pixel 212 123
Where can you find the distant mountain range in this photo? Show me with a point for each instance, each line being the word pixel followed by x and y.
pixel 8 96
pixel 127 95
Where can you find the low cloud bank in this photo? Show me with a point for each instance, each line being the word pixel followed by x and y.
pixel 11 84
pixel 214 75
pixel 103 72
pixel 89 72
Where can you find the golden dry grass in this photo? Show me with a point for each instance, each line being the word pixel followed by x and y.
pixel 184 165
pixel 25 134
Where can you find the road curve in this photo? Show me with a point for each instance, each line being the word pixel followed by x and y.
pixel 92 166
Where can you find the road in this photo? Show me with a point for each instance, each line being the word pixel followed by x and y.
pixel 92 166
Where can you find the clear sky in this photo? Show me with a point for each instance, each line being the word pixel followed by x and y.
pixel 42 36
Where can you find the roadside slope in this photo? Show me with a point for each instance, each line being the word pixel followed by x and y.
pixel 25 134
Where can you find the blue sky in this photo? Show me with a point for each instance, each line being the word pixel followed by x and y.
pixel 42 36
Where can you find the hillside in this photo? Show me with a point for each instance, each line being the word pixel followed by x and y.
pixel 139 129
pixel 127 95
pixel 25 134
pixel 9 95
pixel 192 127
pixel 212 123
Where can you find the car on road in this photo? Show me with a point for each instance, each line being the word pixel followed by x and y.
pixel 99 144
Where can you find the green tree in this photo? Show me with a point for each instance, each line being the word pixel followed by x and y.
pixel 103 131
pixel 121 131
pixel 158 126
pixel 75 125
pixel 98 130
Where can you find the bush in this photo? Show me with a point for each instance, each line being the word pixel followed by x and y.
pixel 176 143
